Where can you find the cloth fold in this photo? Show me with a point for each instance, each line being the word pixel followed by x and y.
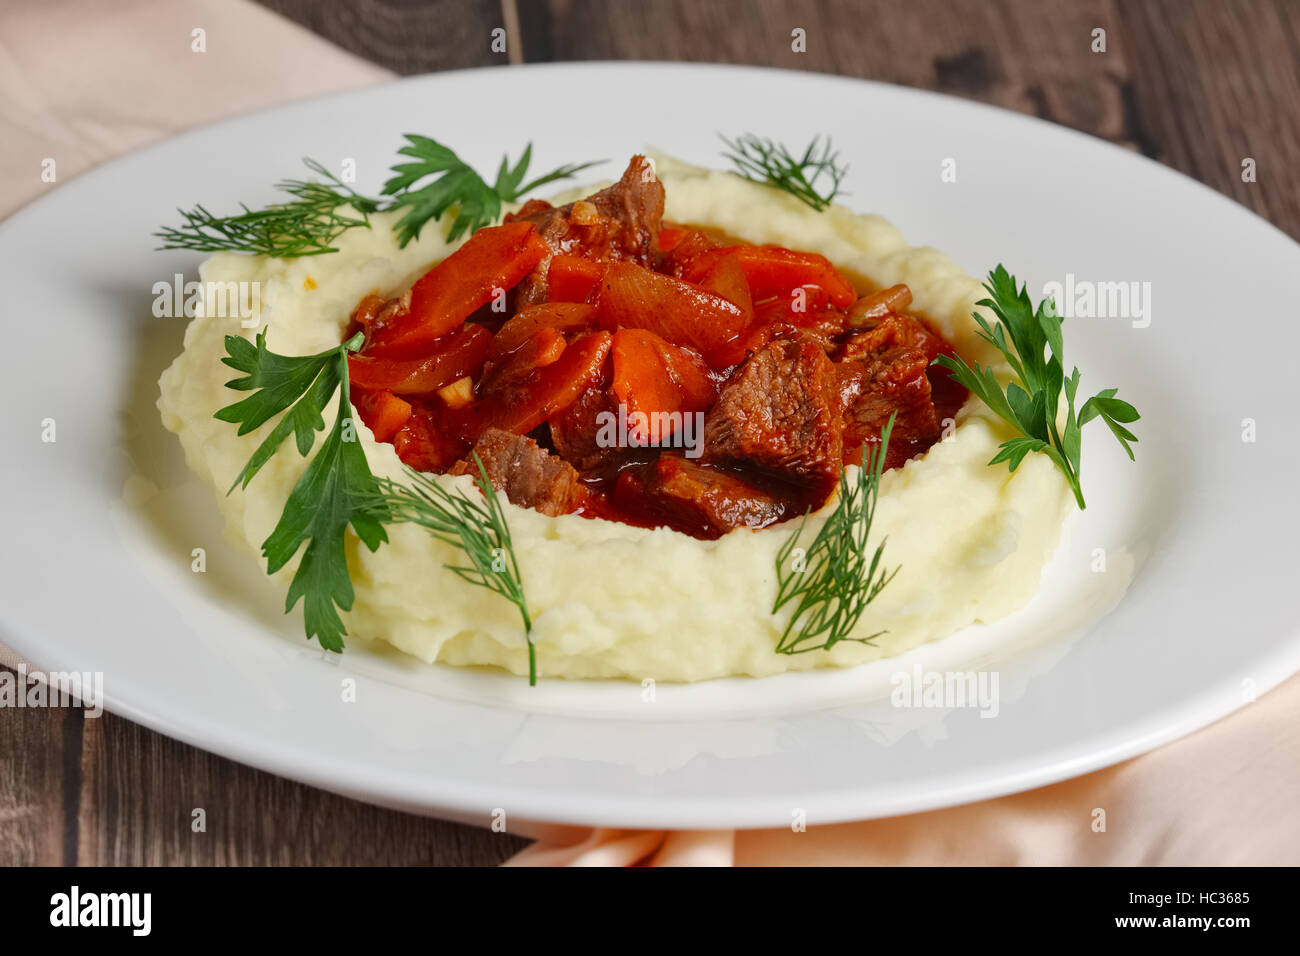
pixel 84 81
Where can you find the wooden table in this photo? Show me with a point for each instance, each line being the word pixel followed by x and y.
pixel 1196 85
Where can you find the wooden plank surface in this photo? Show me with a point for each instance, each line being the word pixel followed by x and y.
pixel 1197 84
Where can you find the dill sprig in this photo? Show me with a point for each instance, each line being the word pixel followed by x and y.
pixel 306 225
pixel 477 528
pixel 838 579
pixel 1032 342
pixel 320 211
pixel 762 160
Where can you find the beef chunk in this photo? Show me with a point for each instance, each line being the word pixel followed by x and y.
pixel 529 475
pixel 878 385
pixel 697 499
pixel 893 331
pixel 780 412
pixel 620 222
pixel 575 433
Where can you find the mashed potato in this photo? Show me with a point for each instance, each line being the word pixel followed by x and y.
pixel 608 599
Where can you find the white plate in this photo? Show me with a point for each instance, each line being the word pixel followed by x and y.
pixel 1196 610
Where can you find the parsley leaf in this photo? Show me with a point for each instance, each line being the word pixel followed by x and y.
pixel 1032 342
pixel 454 182
pixel 330 494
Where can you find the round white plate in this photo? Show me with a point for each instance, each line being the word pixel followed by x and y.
pixel 1194 613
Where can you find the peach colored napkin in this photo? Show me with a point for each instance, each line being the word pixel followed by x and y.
pixel 1223 796
pixel 85 80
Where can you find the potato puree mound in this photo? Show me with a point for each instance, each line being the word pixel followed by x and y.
pixel 609 599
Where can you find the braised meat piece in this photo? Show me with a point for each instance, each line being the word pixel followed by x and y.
pixel 530 476
pixel 877 385
pixel 619 222
pixel 698 499
pixel 575 433
pixel 893 331
pixel 780 413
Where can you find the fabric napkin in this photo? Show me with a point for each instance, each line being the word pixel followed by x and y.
pixel 86 80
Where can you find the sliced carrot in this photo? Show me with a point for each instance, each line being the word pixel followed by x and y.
pixel 572 278
pixel 631 297
pixel 460 353
pixel 431 441
pixel 383 412
pixel 550 390
pixel 658 379
pixel 494 259
pixel 795 306
pixel 776 271
pixel 564 316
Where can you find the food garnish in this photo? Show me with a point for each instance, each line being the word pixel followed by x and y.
pixel 456 183
pixel 478 529
pixel 331 493
pixel 319 212
pixel 305 225
pixel 338 489
pixel 1031 341
pixel 761 160
pixel 835 581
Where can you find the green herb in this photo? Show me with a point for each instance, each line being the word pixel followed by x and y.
pixel 477 528
pixel 319 212
pixel 1032 343
pixel 763 161
pixel 326 498
pixel 306 225
pixel 837 580
pixel 456 183
pixel 338 489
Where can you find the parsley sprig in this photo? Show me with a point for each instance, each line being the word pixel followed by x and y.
pixel 451 181
pixel 761 160
pixel 837 579
pixel 338 490
pixel 326 498
pixel 1032 343
pixel 319 211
